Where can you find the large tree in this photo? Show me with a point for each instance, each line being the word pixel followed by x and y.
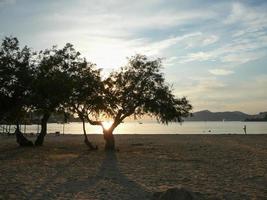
pixel 53 84
pixel 16 73
pixel 85 98
pixel 136 89
pixel 49 81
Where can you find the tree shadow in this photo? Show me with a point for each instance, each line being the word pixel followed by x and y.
pixel 109 183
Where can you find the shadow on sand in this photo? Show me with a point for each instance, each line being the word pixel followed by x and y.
pixel 109 183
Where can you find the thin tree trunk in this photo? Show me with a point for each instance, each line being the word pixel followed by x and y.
pixel 86 141
pixel 21 140
pixel 40 139
pixel 109 138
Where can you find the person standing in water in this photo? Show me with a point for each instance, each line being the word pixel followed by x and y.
pixel 245 129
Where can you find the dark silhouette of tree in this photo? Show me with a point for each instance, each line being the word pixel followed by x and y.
pixel 56 80
pixel 86 94
pixel 52 85
pixel 53 80
pixel 138 88
pixel 15 82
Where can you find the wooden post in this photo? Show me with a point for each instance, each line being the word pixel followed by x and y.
pixel 24 127
pixel 63 128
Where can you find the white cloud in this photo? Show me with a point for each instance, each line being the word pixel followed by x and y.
pixel 165 19
pixel 110 51
pixel 108 16
pixel 201 40
pixel 202 92
pixel 108 31
pixel 202 85
pixel 251 23
pixel 221 72
pixel 211 93
pixel 154 48
pixel 237 13
pixel 170 61
pixel 199 56
pixel 210 40
pixel 246 44
pixel 254 18
pixel 243 57
pixel 237 51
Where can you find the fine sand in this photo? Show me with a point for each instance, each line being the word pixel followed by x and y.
pixel 214 166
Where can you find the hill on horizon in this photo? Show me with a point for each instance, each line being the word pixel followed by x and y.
pixel 206 115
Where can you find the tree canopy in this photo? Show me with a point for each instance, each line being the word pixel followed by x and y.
pixel 136 89
pixel 59 79
pixel 139 88
pixel 15 79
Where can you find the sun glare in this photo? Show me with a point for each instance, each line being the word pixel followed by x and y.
pixel 107 124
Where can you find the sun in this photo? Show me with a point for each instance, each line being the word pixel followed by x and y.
pixel 107 124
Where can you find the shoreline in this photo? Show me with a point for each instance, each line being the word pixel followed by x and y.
pixel 155 128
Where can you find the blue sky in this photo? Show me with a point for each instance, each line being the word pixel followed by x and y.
pixel 215 52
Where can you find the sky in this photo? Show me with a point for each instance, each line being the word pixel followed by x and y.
pixel 214 52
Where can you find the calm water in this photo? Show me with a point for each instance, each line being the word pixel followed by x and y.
pixel 155 128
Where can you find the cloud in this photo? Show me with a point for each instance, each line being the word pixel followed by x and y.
pixel 199 56
pixel 235 52
pixel 251 23
pixel 247 42
pixel 122 17
pixel 210 40
pixel 243 57
pixel 188 40
pixel 220 72
pixel 216 95
pixel 254 18
pixel 165 19
pixel 109 51
pixel 222 34
pixel 202 91
pixel 170 61
pixel 200 40
pixel 201 86
pixel 154 48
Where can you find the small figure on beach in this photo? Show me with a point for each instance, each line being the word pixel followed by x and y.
pixel 245 129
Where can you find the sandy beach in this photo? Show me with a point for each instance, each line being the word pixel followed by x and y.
pixel 213 166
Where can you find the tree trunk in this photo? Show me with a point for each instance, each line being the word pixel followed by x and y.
pixel 109 138
pixel 86 141
pixel 21 140
pixel 40 139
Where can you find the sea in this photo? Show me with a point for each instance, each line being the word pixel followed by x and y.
pixel 138 127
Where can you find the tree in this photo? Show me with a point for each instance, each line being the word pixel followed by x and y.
pixel 86 95
pixel 138 88
pixel 15 81
pixel 52 85
pixel 52 80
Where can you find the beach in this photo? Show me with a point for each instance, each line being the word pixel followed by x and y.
pixel 225 166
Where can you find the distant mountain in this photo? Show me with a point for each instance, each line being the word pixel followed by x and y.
pixel 262 116
pixel 206 115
